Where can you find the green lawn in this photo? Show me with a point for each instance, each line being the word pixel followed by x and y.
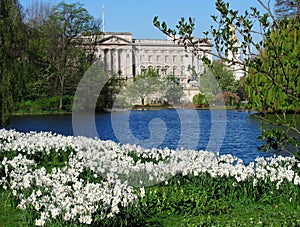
pixel 240 214
pixel 9 216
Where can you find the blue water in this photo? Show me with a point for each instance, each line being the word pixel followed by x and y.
pixel 226 132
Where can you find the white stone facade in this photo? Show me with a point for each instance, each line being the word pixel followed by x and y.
pixel 237 69
pixel 127 57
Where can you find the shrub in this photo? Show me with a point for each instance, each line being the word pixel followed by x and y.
pixel 199 100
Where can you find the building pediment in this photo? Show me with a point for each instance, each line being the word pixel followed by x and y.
pixel 114 40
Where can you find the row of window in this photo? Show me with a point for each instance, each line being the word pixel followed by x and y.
pixel 166 58
pixel 166 70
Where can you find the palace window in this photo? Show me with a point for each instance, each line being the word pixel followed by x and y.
pixel 182 71
pixel 174 70
pixel 174 59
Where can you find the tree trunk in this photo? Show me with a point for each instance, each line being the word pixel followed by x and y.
pixel 61 93
pixel 143 103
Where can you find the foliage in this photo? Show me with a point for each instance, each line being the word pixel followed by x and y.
pixel 216 81
pixel 12 57
pixel 228 98
pixel 199 100
pixel 57 59
pixel 112 87
pixel 273 60
pixel 224 77
pixel 44 55
pixel 172 89
pixel 45 105
pixel 70 20
pixel 143 86
pixel 150 84
pixel 209 86
pixel 280 93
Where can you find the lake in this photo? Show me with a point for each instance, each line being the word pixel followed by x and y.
pixel 226 132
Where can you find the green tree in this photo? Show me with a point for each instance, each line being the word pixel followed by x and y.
pixel 69 21
pixel 61 47
pixel 209 86
pixel 218 80
pixel 224 76
pixel 278 93
pixel 251 33
pixel 172 89
pixel 199 100
pixel 40 85
pixel 12 57
pixel 143 86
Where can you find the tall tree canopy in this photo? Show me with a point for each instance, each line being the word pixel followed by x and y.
pixel 72 20
pixel 280 59
pixel 60 52
pixel 12 56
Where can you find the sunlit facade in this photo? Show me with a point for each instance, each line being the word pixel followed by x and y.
pixel 128 57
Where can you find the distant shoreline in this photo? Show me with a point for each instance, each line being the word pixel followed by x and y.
pixel 147 107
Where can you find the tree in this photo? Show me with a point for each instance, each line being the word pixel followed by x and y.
pixel 61 47
pixel 12 56
pixel 287 8
pixel 251 33
pixel 218 80
pixel 199 100
pixel 224 76
pixel 41 34
pixel 279 95
pixel 37 13
pixel 209 86
pixel 70 21
pixel 172 89
pixel 143 86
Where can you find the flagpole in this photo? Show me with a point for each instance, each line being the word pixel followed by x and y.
pixel 102 18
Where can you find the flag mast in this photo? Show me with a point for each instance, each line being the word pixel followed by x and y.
pixel 102 18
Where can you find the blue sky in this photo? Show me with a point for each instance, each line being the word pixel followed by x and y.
pixel 136 16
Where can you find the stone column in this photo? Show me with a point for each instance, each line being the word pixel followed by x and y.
pixel 111 61
pixel 106 59
pixel 120 61
pixel 123 64
pixel 116 61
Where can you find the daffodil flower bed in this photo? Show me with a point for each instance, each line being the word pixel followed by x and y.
pixel 83 181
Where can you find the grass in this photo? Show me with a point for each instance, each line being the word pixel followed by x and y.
pixel 9 216
pixel 240 214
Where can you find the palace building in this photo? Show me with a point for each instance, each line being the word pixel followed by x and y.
pixel 127 57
